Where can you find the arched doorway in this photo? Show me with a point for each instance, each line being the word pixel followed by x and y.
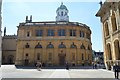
pixel 61 59
pixel 10 59
pixel 113 21
pixel 26 63
pixel 62 53
pixel 109 56
pixel 117 49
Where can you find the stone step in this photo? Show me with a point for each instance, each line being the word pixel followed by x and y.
pixel 8 67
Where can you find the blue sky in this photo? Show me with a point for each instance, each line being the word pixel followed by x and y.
pixel 14 13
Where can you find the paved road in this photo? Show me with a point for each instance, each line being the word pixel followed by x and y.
pixel 12 72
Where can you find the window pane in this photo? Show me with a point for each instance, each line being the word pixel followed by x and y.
pixel 81 34
pixel 70 32
pixel 74 32
pixel 61 32
pixel 39 32
pixel 50 33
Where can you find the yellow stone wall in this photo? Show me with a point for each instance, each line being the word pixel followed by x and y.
pixel 67 40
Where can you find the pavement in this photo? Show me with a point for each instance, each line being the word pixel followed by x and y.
pixel 10 71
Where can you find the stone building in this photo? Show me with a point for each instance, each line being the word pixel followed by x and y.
pixel 109 14
pixel 8 48
pixel 98 57
pixel 54 42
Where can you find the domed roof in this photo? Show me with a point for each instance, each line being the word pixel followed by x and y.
pixel 62 7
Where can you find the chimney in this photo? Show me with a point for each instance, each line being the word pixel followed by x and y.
pixel 31 18
pixel 5 31
pixel 26 19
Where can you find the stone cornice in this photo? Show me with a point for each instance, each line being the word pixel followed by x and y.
pixel 53 23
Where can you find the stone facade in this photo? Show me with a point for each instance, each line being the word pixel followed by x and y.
pixel 98 57
pixel 53 43
pixel 109 14
pixel 8 49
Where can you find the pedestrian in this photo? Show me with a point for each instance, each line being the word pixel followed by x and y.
pixel 39 65
pixel 93 65
pixel 67 66
pixel 116 69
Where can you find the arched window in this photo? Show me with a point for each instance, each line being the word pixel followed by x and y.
pixel 82 46
pixel 50 45
pixel 113 21
pixel 38 45
pixel 109 52
pixel 73 45
pixel 117 49
pixel 61 45
pixel 106 29
pixel 27 45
